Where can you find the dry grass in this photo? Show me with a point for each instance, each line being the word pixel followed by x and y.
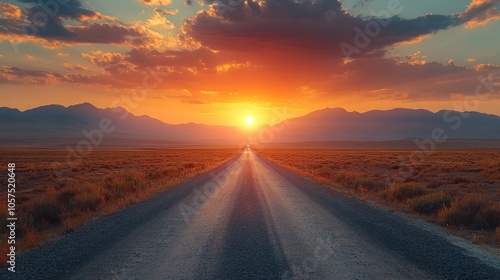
pixel 52 201
pixel 456 188
pixel 472 211
pixel 431 203
pixel 405 191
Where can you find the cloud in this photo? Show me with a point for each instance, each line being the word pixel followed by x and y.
pixel 75 67
pixel 308 27
pixel 10 11
pixel 178 93
pixel 480 12
pixel 195 102
pixel 102 59
pixel 430 80
pixel 9 74
pixel 49 26
pixel 233 65
pixel 271 51
pixel 158 18
pixel 157 2
pixel 105 33
pixel 487 67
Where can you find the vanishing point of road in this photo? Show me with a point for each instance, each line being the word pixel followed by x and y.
pixel 251 219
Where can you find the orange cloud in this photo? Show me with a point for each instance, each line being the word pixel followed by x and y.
pixel 100 58
pixel 480 12
pixel 415 40
pixel 486 67
pixel 76 67
pixel 10 11
pixel 158 18
pixel 157 2
pixel 263 53
pixel 228 66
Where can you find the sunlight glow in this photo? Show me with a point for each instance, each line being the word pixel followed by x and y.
pixel 249 120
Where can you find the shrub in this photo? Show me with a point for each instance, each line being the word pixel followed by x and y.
pixel 86 201
pixel 154 174
pixel 405 191
pixel 355 180
pixel 45 211
pixel 473 211
pixel 322 172
pixel 431 203
pixel 65 197
pixel 488 217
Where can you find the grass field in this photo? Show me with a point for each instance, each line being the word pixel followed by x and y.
pixel 54 196
pixel 455 188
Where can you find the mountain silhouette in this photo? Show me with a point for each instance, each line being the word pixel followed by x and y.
pixel 339 125
pixel 58 125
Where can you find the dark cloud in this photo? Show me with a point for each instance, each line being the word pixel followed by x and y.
pixel 271 51
pixel 15 75
pixel 105 33
pixel 420 80
pixel 304 26
pixel 72 9
pixel 47 23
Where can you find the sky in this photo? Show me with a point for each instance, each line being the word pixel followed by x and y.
pixel 219 62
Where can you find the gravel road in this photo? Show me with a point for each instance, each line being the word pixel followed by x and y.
pixel 251 219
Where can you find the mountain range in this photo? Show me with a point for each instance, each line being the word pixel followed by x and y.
pixel 56 125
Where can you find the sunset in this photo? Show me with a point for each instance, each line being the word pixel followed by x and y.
pixel 249 121
pixel 250 139
pixel 213 61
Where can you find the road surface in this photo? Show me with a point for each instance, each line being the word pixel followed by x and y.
pixel 251 219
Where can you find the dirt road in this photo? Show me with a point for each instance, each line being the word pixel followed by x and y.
pixel 250 219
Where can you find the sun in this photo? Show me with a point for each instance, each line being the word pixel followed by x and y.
pixel 249 121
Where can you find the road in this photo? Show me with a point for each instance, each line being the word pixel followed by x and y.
pixel 251 219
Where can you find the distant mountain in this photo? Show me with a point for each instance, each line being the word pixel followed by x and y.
pixel 56 125
pixel 339 125
pixel 59 125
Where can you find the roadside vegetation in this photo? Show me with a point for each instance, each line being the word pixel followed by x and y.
pixel 54 198
pixel 455 188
